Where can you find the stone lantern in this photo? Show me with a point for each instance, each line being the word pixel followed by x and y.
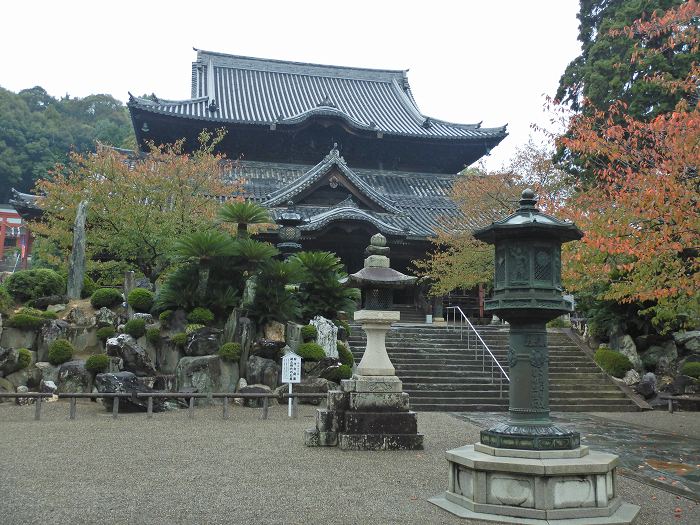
pixel 527 467
pixel 370 411
pixel 289 232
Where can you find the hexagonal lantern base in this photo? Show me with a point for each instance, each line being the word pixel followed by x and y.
pixel 528 486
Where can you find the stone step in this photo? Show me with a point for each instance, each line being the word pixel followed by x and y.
pixel 479 394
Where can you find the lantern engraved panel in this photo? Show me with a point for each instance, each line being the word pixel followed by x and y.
pixel 500 268
pixel 518 264
pixel 543 265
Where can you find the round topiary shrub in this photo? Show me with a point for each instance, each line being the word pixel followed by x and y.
pixel 200 315
pixel 135 328
pixel 309 333
pixel 165 316
pixel 106 297
pixel 179 339
pixel 24 359
pixel 60 351
pixel 345 355
pixel 140 299
pixel 230 352
pixel 311 352
pixel 48 315
pixel 25 322
pixel 614 363
pixel 97 363
pixel 153 336
pixel 691 369
pixel 193 327
pixel 105 333
pixel 25 285
pixel 336 374
pixel 89 287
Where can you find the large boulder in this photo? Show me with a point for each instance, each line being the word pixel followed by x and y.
pixel 690 340
pixel 632 377
pixel 663 356
pixel 257 389
pixel 147 318
pixel 177 322
pixel 625 345
pixel 205 374
pixel 9 360
pixel 29 376
pixel 135 358
pixel 168 354
pixel 126 382
pixel 106 317
pixel 327 335
pixel 246 336
pixel 84 338
pixel 6 387
pixel 267 348
pixel 16 338
pixel 274 331
pixel 42 303
pixel 293 335
pixel 205 341
pixel 312 385
pixel 47 371
pixel 73 377
pixel 80 317
pixel 230 375
pixel 647 386
pixel 319 368
pixel 51 331
pixel 262 371
pixel 231 326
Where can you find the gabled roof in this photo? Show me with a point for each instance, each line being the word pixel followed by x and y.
pixel 236 89
pixel 316 174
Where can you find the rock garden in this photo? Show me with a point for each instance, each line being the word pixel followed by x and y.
pixel 218 319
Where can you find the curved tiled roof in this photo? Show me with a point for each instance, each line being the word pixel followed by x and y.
pixel 229 88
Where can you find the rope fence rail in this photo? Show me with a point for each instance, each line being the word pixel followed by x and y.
pixel 189 396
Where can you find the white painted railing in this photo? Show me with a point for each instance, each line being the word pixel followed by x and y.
pixel 475 341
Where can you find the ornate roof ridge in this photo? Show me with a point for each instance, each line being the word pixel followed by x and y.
pixel 318 171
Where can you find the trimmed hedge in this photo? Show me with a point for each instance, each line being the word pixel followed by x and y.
pixel 308 333
pixel 106 297
pixel 193 327
pixel 614 363
pixel 179 339
pixel 345 325
pixel 345 355
pixel 200 315
pixel 230 352
pixel 25 322
pixel 105 333
pixel 336 374
pixel 97 363
pixel 24 359
pixel 60 351
pixel 691 369
pixel 25 285
pixel 153 336
pixel 165 316
pixel 140 299
pixel 89 287
pixel 135 327
pixel 311 352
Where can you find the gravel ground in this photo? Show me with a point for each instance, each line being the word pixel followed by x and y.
pixel 172 469
pixel 681 423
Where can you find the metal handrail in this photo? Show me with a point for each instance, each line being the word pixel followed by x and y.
pixel 464 320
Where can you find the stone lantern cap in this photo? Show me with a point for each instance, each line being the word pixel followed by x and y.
pixel 290 217
pixel 529 221
pixel 377 273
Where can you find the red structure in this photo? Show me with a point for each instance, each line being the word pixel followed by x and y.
pixel 14 239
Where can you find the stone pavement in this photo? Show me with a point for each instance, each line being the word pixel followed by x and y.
pixel 663 458
pixel 173 470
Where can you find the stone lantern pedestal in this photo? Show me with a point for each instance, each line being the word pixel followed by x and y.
pixel 370 411
pixel 526 469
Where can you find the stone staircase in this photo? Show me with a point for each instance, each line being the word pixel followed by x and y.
pixel 441 374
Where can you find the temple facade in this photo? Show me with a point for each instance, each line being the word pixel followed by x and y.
pixel 347 147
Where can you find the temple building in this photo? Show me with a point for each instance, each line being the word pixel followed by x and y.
pixel 347 147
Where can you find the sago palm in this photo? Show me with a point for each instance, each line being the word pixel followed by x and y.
pixel 243 213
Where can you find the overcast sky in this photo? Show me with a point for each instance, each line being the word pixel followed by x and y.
pixel 468 61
